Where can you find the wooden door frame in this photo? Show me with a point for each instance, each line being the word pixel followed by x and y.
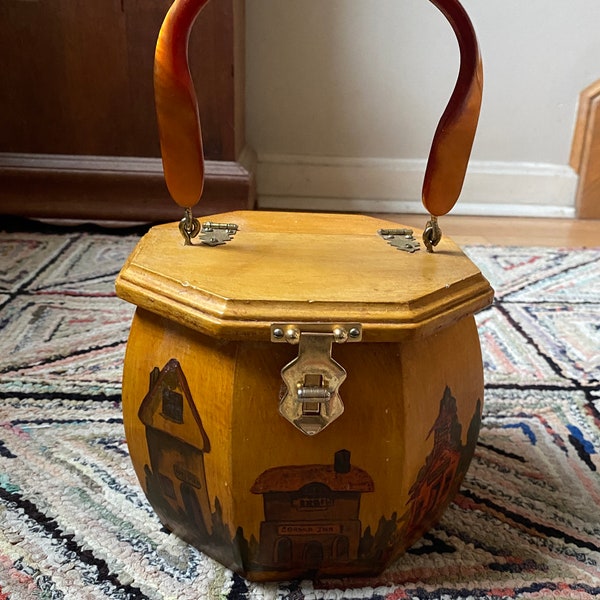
pixel 585 153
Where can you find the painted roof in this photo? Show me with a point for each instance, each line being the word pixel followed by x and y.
pixel 293 478
pixel 191 431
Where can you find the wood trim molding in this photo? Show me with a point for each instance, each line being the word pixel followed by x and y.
pixel 585 153
pixel 113 188
pixel 328 183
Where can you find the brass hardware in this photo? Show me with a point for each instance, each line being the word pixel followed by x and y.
pixel 217 234
pixel 402 239
pixel 311 393
pixel 209 226
pixel 210 234
pixel 311 400
pixel 189 227
pixel 432 233
pixel 290 332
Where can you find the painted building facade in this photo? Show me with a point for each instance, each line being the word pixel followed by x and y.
pixel 311 513
pixel 177 442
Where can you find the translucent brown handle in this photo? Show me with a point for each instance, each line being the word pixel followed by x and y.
pixel 181 136
pixel 453 139
pixel 177 107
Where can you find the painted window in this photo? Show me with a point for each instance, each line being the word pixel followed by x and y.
pixel 341 548
pixel 167 486
pixel 283 552
pixel 172 405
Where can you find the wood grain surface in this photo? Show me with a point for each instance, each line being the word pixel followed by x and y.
pixel 302 267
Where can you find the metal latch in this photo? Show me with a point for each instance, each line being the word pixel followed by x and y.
pixel 310 398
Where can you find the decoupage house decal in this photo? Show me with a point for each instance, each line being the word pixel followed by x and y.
pixel 177 442
pixel 311 513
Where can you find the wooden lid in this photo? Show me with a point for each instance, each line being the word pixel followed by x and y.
pixel 299 268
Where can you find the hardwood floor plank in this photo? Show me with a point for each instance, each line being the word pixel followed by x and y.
pixel 566 233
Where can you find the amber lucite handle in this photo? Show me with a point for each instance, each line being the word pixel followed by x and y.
pixel 177 106
pixel 181 136
pixel 453 139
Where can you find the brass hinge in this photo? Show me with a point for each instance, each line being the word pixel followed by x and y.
pixel 403 239
pixel 209 234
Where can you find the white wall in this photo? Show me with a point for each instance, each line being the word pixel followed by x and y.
pixel 343 97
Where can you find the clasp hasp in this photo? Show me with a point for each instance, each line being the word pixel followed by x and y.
pixel 310 398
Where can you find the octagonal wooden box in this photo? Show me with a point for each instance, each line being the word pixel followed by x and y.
pixel 305 400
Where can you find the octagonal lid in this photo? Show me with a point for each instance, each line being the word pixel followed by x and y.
pixel 302 268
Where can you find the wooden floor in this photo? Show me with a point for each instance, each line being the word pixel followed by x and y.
pixel 497 231
pixel 566 233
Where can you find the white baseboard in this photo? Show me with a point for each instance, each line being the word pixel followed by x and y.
pixel 390 185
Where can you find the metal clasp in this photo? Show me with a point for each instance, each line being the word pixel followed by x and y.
pixel 310 398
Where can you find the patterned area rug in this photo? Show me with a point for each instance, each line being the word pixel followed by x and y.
pixel 75 524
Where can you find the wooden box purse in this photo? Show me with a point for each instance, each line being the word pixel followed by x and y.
pixel 302 393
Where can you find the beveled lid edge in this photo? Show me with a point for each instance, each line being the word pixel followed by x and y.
pixel 226 318
pixel 230 319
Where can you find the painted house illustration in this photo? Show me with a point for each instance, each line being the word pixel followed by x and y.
pixel 311 513
pixel 177 442
pixel 438 479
